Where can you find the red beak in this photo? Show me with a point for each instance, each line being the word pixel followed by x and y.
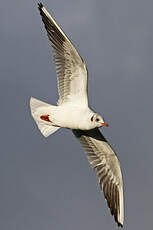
pixel 105 124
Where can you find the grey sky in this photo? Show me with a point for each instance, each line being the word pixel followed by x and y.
pixel 48 183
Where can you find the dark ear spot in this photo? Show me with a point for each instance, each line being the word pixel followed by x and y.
pixel 92 118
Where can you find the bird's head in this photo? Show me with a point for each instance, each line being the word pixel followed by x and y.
pixel 98 121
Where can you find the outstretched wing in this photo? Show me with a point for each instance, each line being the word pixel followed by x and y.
pixel 107 167
pixel 70 67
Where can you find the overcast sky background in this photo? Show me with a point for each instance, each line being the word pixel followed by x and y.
pixel 47 184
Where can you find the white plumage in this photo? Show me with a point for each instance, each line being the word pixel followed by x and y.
pixel 73 112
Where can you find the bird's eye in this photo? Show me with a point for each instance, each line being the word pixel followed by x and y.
pixel 97 119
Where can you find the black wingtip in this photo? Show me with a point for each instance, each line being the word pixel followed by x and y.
pixel 40 5
pixel 120 225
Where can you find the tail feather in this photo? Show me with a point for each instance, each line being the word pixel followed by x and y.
pixel 39 108
pixel 47 130
pixel 35 104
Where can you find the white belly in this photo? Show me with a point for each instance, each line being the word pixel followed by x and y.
pixel 73 117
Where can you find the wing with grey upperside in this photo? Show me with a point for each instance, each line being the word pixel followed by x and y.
pixel 105 163
pixel 70 67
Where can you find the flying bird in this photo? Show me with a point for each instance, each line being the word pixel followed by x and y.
pixel 73 112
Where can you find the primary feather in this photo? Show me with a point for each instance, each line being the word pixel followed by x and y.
pixel 104 161
pixel 70 67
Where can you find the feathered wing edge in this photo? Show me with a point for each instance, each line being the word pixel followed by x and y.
pixel 107 167
pixel 70 67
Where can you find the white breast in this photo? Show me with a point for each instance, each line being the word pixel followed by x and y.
pixel 73 117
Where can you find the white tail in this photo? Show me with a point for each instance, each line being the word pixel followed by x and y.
pixel 38 109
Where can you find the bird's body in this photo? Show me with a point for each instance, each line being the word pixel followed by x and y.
pixel 79 117
pixel 72 112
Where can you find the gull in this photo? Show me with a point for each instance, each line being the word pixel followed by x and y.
pixel 73 112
